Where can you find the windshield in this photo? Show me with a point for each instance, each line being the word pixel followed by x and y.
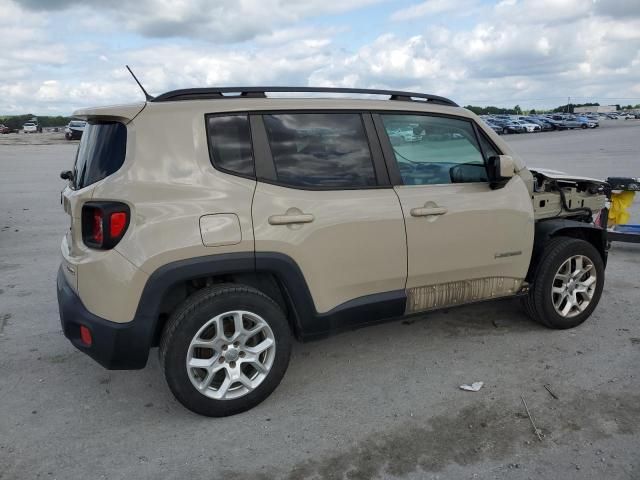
pixel 101 152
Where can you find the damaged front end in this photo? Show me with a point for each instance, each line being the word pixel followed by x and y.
pixel 559 195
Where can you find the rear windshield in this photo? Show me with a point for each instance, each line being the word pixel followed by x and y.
pixel 101 152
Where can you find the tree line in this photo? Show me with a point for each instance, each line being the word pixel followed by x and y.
pixel 17 121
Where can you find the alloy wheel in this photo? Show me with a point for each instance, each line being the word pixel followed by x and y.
pixel 231 355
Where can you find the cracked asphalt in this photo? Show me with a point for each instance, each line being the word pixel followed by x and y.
pixel 380 402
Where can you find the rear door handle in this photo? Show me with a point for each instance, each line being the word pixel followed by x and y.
pixel 291 219
pixel 428 211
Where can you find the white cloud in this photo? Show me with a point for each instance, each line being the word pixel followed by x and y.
pixel 432 7
pixel 535 53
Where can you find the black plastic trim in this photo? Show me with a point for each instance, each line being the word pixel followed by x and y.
pixel 553 227
pixel 126 345
pixel 116 346
pixel 265 168
pixel 212 93
pixel 311 324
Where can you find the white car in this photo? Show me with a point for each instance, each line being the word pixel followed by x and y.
pixel 530 127
pixel 30 127
pixel 626 116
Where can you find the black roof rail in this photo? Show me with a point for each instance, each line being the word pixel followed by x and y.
pixel 260 92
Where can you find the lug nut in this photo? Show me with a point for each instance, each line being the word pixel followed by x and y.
pixel 236 344
pixel 242 354
pixel 224 347
pixel 221 359
pixel 232 364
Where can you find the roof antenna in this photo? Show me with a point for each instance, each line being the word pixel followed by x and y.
pixel 146 95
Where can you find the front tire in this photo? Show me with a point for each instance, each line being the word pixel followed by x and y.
pixel 225 349
pixel 568 284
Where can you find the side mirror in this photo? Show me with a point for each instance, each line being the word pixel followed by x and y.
pixel 501 168
pixel 66 175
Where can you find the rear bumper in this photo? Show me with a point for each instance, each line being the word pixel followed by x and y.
pixel 115 346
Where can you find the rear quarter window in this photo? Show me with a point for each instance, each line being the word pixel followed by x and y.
pixel 101 152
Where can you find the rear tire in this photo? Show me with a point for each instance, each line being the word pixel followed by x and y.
pixel 568 284
pixel 225 349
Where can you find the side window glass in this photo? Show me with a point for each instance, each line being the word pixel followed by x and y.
pixel 320 150
pixel 487 147
pixel 432 150
pixel 230 143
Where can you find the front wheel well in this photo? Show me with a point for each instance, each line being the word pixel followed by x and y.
pixel 550 229
pixel 265 282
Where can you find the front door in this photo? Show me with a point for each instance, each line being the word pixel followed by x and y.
pixel 466 242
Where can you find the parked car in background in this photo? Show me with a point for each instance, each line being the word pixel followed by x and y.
pixel 544 126
pixel 509 126
pixel 495 127
pixel 627 116
pixel 30 127
pixel 528 126
pixel 4 129
pixel 74 130
pixel 578 122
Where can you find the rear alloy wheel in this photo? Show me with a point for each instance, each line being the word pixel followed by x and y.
pixel 225 349
pixel 231 355
pixel 568 283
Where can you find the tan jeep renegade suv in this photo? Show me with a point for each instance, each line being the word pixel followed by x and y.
pixel 219 224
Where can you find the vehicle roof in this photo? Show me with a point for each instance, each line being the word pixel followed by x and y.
pixel 243 104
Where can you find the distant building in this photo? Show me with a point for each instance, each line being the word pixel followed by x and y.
pixel 595 109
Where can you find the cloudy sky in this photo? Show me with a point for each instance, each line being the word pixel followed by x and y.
pixel 58 55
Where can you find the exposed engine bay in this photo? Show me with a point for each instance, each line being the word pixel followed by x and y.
pixel 557 194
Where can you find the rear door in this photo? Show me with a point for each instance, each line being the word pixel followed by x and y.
pixel 324 200
pixel 466 242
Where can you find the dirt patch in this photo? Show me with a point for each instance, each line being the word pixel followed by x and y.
pixel 487 430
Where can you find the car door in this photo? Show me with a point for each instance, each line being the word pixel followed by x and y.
pixel 324 201
pixel 465 240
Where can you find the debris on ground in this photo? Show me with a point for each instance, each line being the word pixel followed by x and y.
pixel 535 429
pixel 548 389
pixel 474 387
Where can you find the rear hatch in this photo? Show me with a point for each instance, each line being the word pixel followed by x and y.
pixel 101 152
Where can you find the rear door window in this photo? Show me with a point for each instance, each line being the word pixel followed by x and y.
pixel 101 152
pixel 320 150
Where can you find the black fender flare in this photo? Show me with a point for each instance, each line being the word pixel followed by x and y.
pixel 308 323
pixel 545 230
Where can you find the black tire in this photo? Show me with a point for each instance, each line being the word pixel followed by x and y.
pixel 583 126
pixel 187 320
pixel 538 304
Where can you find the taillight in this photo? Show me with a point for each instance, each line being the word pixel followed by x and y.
pixel 97 231
pixel 104 223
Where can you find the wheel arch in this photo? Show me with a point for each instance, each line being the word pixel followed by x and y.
pixel 275 274
pixel 171 284
pixel 546 230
